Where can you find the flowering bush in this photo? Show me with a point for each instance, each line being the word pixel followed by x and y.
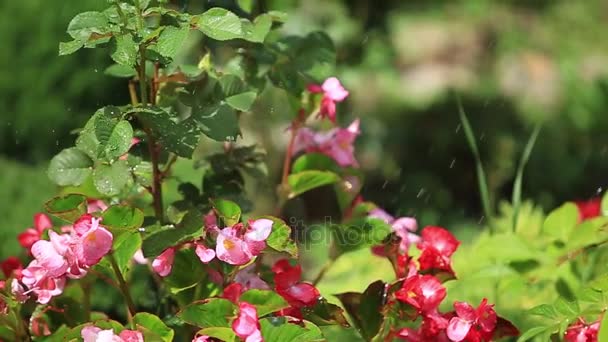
pixel 206 270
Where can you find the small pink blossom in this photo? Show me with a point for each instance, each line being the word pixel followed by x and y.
pixel 96 205
pixel 163 263
pixel 31 235
pixel 246 325
pixel 139 258
pixel 237 246
pixel 202 338
pixel 18 291
pixel 250 279
pixel 333 92
pixel 580 331
pixel 337 143
pixel 131 336
pixel 204 253
pixel 402 226
pixel 470 323
pixel 92 333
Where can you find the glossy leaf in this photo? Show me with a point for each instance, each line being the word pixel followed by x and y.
pixel 171 40
pixel 218 122
pixel 277 329
pixel 186 273
pixel 220 24
pixel 365 308
pixel 84 24
pixel 280 237
pixel 265 301
pixel 67 48
pixel 158 239
pixel 70 167
pixel 124 50
pixel 228 211
pixel 121 217
pixel 69 207
pixel 360 233
pixel 153 324
pixel 214 312
pixel 221 333
pixel 304 181
pixel 111 179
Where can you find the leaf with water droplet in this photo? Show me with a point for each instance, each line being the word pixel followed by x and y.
pixel 111 179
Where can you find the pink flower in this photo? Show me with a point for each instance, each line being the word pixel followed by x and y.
pixel 332 92
pixel 402 226
pixel 94 334
pixel 288 284
pixel 204 253
pixel 31 235
pixel 139 258
pixel 18 291
pixel 423 292
pixel 472 324
pixel 437 245
pixel 95 205
pixel 163 263
pixel 49 258
pixel 237 246
pixel 582 332
pixel 94 241
pixel 432 329
pixel 134 141
pixel 202 338
pixel 336 143
pixel 246 325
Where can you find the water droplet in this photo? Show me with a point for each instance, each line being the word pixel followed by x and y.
pixel 482 136
pixel 96 70
pixel 452 163
pixel 457 129
pixel 481 219
pixel 420 193
pixel 141 230
pixel 599 190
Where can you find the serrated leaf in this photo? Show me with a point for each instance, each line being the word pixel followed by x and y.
pixel 304 181
pixel 106 136
pixel 84 24
pixel 171 40
pixel 218 122
pixel 68 207
pixel 124 50
pixel 220 24
pixel 265 301
pixel 70 167
pixel 214 312
pixel 66 48
pixel 109 180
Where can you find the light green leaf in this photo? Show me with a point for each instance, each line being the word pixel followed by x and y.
pixel 280 237
pixel 277 329
pixel 111 179
pixel 124 50
pixel 153 324
pixel 315 161
pixel 66 48
pixel 214 312
pixel 221 333
pixel 171 40
pixel 560 223
pixel 261 27
pixel 220 24
pixel 84 24
pixel 265 301
pixel 242 101
pixel 304 181
pixel 70 167
pixel 603 333
pixel 122 71
pixel 106 136
pixel 120 217
pixel 228 211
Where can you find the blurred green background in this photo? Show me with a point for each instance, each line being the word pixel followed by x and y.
pixel 514 63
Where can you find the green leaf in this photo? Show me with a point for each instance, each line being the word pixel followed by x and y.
pixel 484 193
pixel 213 312
pixel 280 237
pixel 325 313
pixel 67 48
pixel 261 27
pixel 365 308
pixel 221 333
pixel 171 40
pixel 242 101
pixel 155 325
pixel 84 24
pixel 304 181
pixel 124 50
pixel 587 233
pixel 68 207
pixel 265 301
pixel 516 198
pixel 604 204
pixel 360 233
pixel 218 122
pixel 603 333
pixel 70 167
pixel 121 71
pixel 531 333
pixel 180 138
pixel 109 180
pixel 220 24
pixel 277 329
pixel 157 240
pixel 106 136
pixel 560 223
pixel 119 217
pixel 228 211
pixel 124 247
pixel 315 161
pixel 186 273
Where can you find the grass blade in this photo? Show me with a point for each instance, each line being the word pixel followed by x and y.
pixel 517 185
pixel 481 175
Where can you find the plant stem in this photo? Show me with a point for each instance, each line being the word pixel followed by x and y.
pixel 284 186
pixel 323 271
pixel 86 298
pixel 124 288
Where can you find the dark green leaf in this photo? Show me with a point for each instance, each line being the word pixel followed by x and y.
pixel 106 136
pixel 122 71
pixel 325 313
pixel 360 233
pixel 180 138
pixel 307 180
pixel 516 198
pixel 171 40
pixel 111 179
pixel 70 167
pixel 157 240
pixel 265 301
pixel 218 122
pixel 365 308
pixel 70 47
pixel 186 273
pixel 124 50
pixel 214 312
pixel 228 211
pixel 155 325
pixel 68 207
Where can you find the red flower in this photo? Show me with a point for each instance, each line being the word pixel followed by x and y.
pixel 232 292
pixel 582 332
pixel 432 329
pixel 437 245
pixel 423 292
pixel 11 266
pixel 31 235
pixel 472 325
pixel 287 283
pixel 589 209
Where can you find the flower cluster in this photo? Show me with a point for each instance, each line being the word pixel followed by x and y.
pixel 333 92
pixel 235 245
pixel 581 331
pixel 337 143
pixel 92 333
pixel 288 284
pixel 63 256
